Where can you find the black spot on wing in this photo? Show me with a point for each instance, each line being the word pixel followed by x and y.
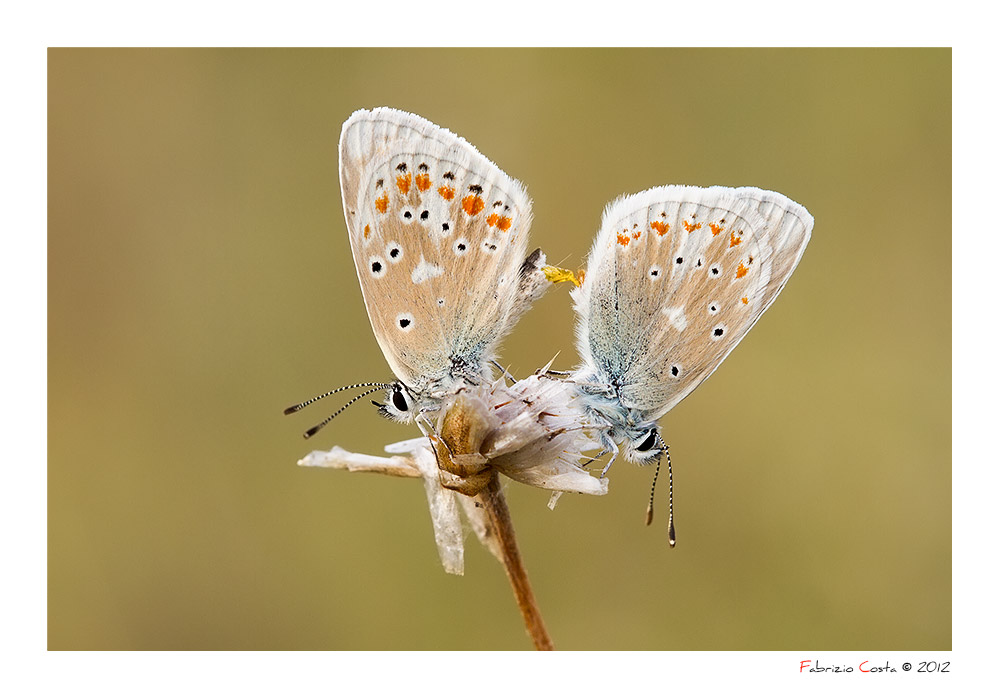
pixel 530 263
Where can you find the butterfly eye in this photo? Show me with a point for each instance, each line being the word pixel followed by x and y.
pixel 399 401
pixel 649 442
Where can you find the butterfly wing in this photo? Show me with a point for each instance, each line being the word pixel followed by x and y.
pixel 676 278
pixel 438 233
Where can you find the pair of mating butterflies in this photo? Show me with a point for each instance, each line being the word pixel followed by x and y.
pixel 675 279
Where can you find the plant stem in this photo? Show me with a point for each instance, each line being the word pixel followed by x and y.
pixel 499 517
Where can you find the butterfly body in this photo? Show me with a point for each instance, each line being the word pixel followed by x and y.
pixel 604 406
pixel 675 279
pixel 439 239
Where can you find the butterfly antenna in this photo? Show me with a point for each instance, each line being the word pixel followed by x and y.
pixel 298 406
pixel 313 430
pixel 671 533
pixel 649 508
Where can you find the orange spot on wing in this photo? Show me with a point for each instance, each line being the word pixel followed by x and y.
pixel 624 240
pixel 716 228
pixel 382 203
pixel 403 182
pixel 368 230
pixel 423 182
pixel 660 227
pixel 446 192
pixel 742 270
pixel 691 227
pixel 472 205
pixel 733 240
pixel 492 220
pixel 635 236
pixel 504 223
pixel 745 300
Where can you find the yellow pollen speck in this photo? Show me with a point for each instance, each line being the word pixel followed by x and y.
pixel 403 182
pixel 716 228
pixel 660 227
pixel 734 241
pixel 558 274
pixel 691 227
pixel 446 192
pixel 423 182
pixel 382 203
pixel 742 270
pixel 472 205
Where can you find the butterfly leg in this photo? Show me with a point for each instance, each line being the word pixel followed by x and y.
pixel 507 374
pixel 545 371
pixel 424 424
pixel 599 389
pixel 553 372
pixel 614 455
pixel 596 457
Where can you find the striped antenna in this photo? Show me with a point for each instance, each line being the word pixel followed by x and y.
pixel 652 491
pixel 671 532
pixel 298 406
pixel 313 430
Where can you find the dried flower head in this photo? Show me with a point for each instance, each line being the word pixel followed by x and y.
pixel 534 432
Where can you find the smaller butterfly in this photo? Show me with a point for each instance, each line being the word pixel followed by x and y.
pixel 439 237
pixel 675 279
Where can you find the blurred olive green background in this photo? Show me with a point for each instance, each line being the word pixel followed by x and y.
pixel 200 280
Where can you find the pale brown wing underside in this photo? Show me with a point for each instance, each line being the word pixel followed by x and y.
pixel 438 234
pixel 676 278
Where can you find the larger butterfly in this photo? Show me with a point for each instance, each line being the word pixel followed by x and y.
pixel 675 279
pixel 439 238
